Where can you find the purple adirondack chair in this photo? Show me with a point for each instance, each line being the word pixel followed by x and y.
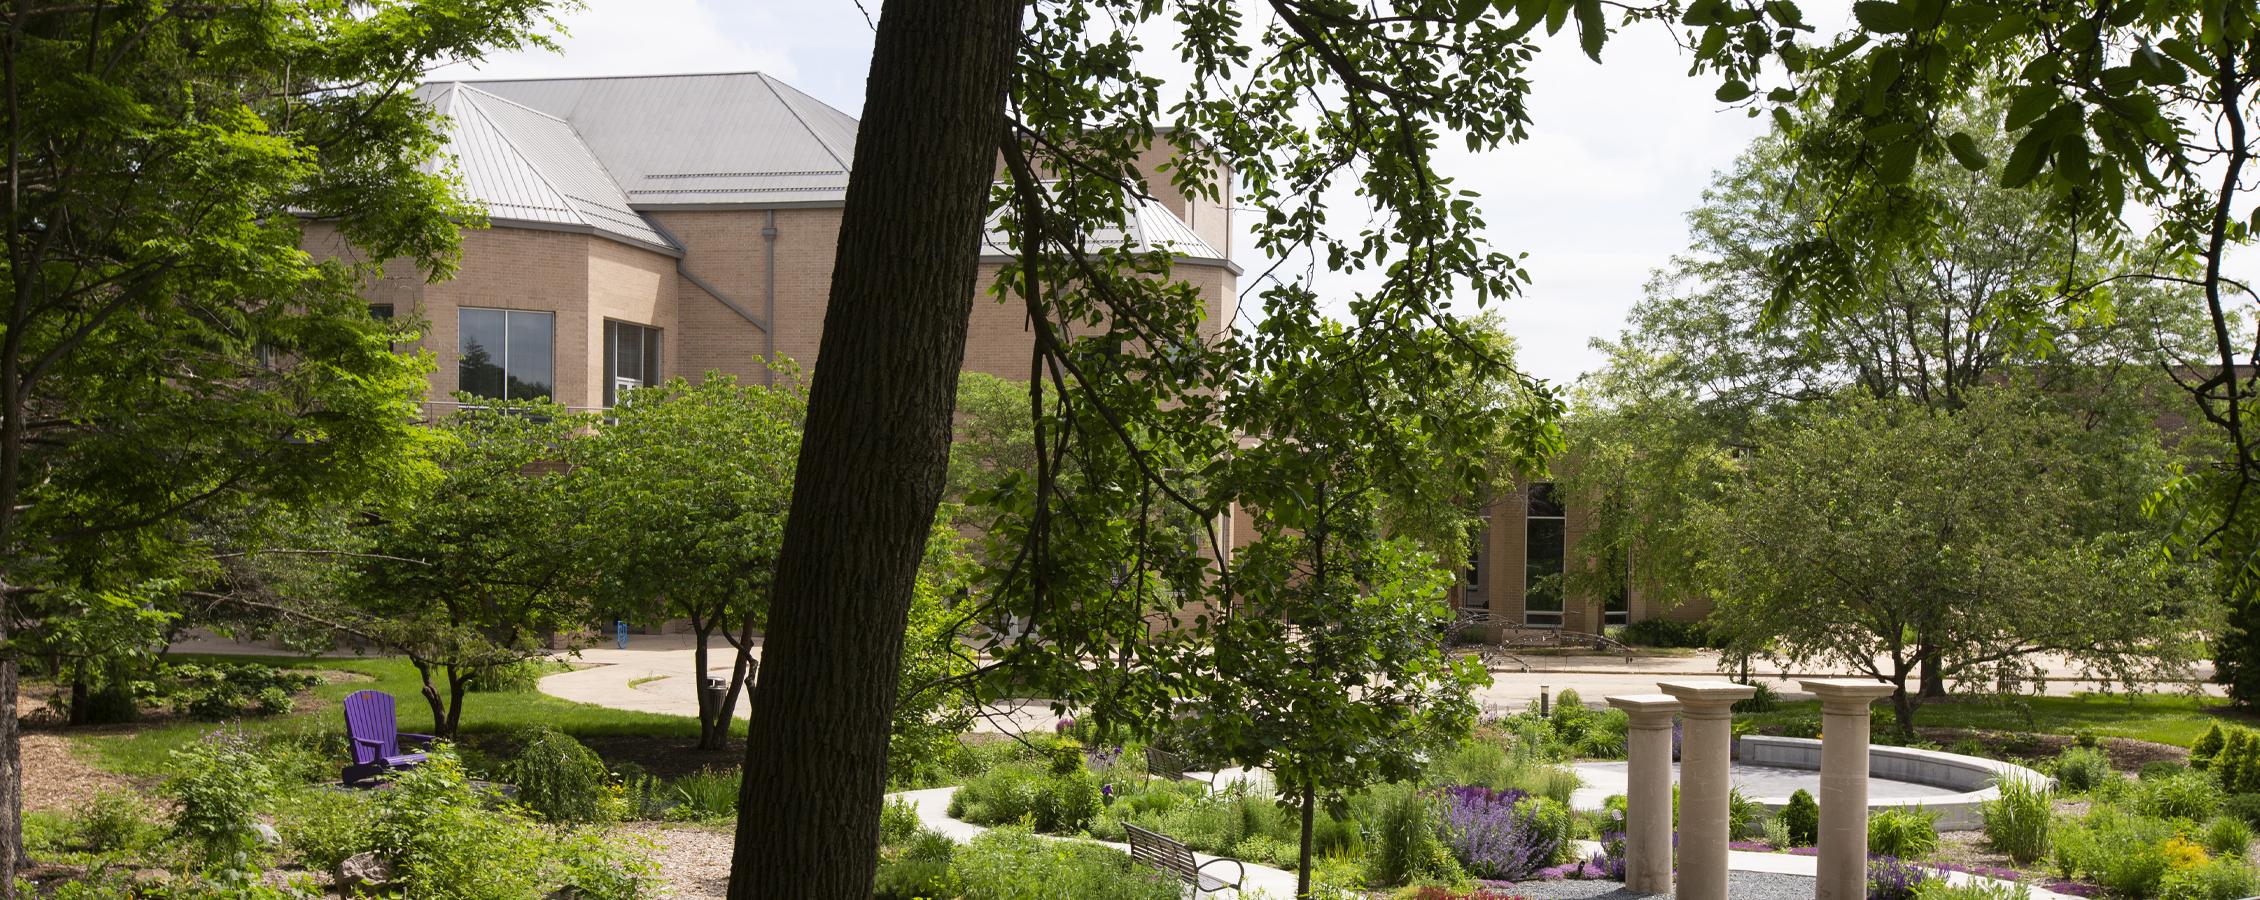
pixel 376 738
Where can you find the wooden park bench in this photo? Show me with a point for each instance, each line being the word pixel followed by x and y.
pixel 1164 764
pixel 1170 855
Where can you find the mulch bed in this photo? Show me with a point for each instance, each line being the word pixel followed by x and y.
pixel 664 757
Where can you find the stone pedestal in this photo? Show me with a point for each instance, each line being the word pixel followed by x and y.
pixel 1706 752
pixel 1647 796
pixel 1844 784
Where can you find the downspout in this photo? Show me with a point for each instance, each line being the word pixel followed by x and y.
pixel 769 301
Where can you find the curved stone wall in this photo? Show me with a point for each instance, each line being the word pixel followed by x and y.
pixel 1974 777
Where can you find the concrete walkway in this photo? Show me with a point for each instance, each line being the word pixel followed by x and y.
pixel 1261 881
pixel 1809 866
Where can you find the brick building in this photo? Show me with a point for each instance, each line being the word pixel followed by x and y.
pixel 645 228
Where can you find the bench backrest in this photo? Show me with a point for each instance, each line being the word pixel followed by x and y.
pixel 1162 852
pixel 370 726
pixel 1164 764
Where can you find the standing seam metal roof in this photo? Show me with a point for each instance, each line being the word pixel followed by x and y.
pixel 527 166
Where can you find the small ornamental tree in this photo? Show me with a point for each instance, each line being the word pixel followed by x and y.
pixel 681 502
pixel 485 566
pixel 1881 536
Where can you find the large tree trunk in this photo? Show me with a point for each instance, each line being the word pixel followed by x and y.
pixel 432 698
pixel 12 855
pixel 875 450
pixel 1934 673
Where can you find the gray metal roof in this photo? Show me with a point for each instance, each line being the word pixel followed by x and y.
pixel 701 140
pixel 1151 227
pixel 529 167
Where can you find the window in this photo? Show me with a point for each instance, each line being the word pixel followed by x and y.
pixel 631 358
pixel 381 312
pixel 1472 594
pixel 1543 537
pixel 507 354
pixel 1618 611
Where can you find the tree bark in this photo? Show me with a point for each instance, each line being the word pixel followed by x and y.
pixel 433 699
pixel 12 855
pixel 875 450
pixel 1302 857
pixel 1934 675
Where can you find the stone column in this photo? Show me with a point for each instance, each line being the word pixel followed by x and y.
pixel 1706 752
pixel 1647 795
pixel 1844 784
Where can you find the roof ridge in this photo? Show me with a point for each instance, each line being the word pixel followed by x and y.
pixel 531 166
pixel 606 77
pixel 550 116
pixel 771 84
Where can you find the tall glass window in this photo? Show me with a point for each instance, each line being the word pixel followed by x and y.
pixel 1472 592
pixel 507 353
pixel 1544 537
pixel 631 358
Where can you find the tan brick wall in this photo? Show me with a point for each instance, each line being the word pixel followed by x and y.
pixel 634 285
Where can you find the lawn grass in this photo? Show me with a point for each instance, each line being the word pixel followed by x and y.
pixel 144 751
pixel 2177 719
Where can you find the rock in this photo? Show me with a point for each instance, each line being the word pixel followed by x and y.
pixel 362 869
pixel 267 834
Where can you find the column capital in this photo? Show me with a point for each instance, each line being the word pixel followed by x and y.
pixel 1647 710
pixel 1846 695
pixel 1707 698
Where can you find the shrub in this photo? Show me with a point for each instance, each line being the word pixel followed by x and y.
pixel 1742 815
pixel 219 789
pixel 1903 833
pixel 1001 796
pixel 2123 852
pixel 2226 836
pixel 1803 819
pixel 2238 764
pixel 1664 634
pixel 1478 762
pixel 1500 834
pixel 2184 795
pixel 921 870
pixel 324 826
pixel 704 796
pixel 231 690
pixel 560 780
pixel 2243 806
pixel 2082 769
pixel 642 794
pixel 1604 736
pixel 2208 746
pixel 596 864
pixel 519 677
pixel 114 821
pixel 445 843
pixel 1776 832
pixel 1890 878
pixel 1405 844
pixel 1067 803
pixel 898 821
pixel 2220 879
pixel 1011 864
pixel 2017 822
pixel 1938 889
pixel 1766 699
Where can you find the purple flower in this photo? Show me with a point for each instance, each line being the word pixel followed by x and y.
pixel 1890 878
pixel 2074 889
pixel 1495 833
pixel 1064 726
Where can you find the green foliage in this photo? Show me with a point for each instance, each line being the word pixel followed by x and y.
pixel 560 780
pixel 1802 818
pixel 2243 806
pixel 114 822
pixel 2017 822
pixel 322 826
pixel 2082 769
pixel 919 871
pixel 1025 794
pixel 1011 864
pixel 2237 767
pixel 219 789
pixel 2186 794
pixel 1905 833
pixel 2201 753
pixel 1405 845
pixel 228 691
pixel 446 840
pixel 2120 850
pixel 1938 889
pixel 1744 816
pixel 2218 879
pixel 898 821
pixel 704 796
pixel 1664 633
pixel 2226 836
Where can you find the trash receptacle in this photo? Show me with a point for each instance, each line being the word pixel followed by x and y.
pixel 715 689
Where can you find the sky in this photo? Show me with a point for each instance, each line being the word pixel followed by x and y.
pixel 1596 197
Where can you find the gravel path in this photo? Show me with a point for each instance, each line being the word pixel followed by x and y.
pixel 1739 885
pixel 694 863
